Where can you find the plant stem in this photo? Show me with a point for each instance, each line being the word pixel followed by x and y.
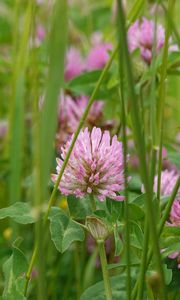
pixel 143 261
pixel 127 225
pixel 93 202
pixel 28 274
pixel 105 273
pixel 77 268
pixel 161 102
pixel 171 21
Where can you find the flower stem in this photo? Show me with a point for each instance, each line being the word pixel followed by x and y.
pixel 143 261
pixel 161 102
pixel 105 273
pixel 93 202
pixel 28 274
pixel 124 139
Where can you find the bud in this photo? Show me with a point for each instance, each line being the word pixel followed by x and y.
pixel 154 282
pixel 98 229
pixel 139 67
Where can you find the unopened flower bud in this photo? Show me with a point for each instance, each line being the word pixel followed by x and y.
pixel 154 282
pixel 98 229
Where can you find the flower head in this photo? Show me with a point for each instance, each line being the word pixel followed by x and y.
pixel 175 213
pixel 40 33
pixel 70 112
pixel 176 255
pixel 74 64
pixel 3 128
pixel 141 35
pixel 168 181
pixel 98 56
pixel 95 166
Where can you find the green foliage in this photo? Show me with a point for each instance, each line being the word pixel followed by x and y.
pixel 14 273
pixel 79 208
pixel 55 80
pixel 20 212
pixel 167 274
pixel 174 157
pixel 86 82
pixel 64 231
pixel 96 292
pixel 118 243
pixel 135 212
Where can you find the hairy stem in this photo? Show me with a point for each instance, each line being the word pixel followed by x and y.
pixel 93 202
pixel 105 273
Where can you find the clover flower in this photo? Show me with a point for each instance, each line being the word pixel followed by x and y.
pixel 40 33
pixel 71 110
pixel 141 35
pixel 95 166
pixel 98 56
pixel 176 255
pixel 3 128
pixel 175 213
pixel 168 181
pixel 74 65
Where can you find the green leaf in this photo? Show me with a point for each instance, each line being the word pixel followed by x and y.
pixel 174 157
pixel 85 84
pixel 85 79
pixel 138 233
pixel 14 295
pixel 20 212
pixel 79 208
pixel 172 248
pixel 118 243
pixel 96 291
pixel 14 272
pixel 167 274
pixel 134 262
pixel 171 231
pixel 174 58
pixel 20 264
pixel 139 200
pixel 135 242
pixel 64 231
pixel 135 212
pixel 115 208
